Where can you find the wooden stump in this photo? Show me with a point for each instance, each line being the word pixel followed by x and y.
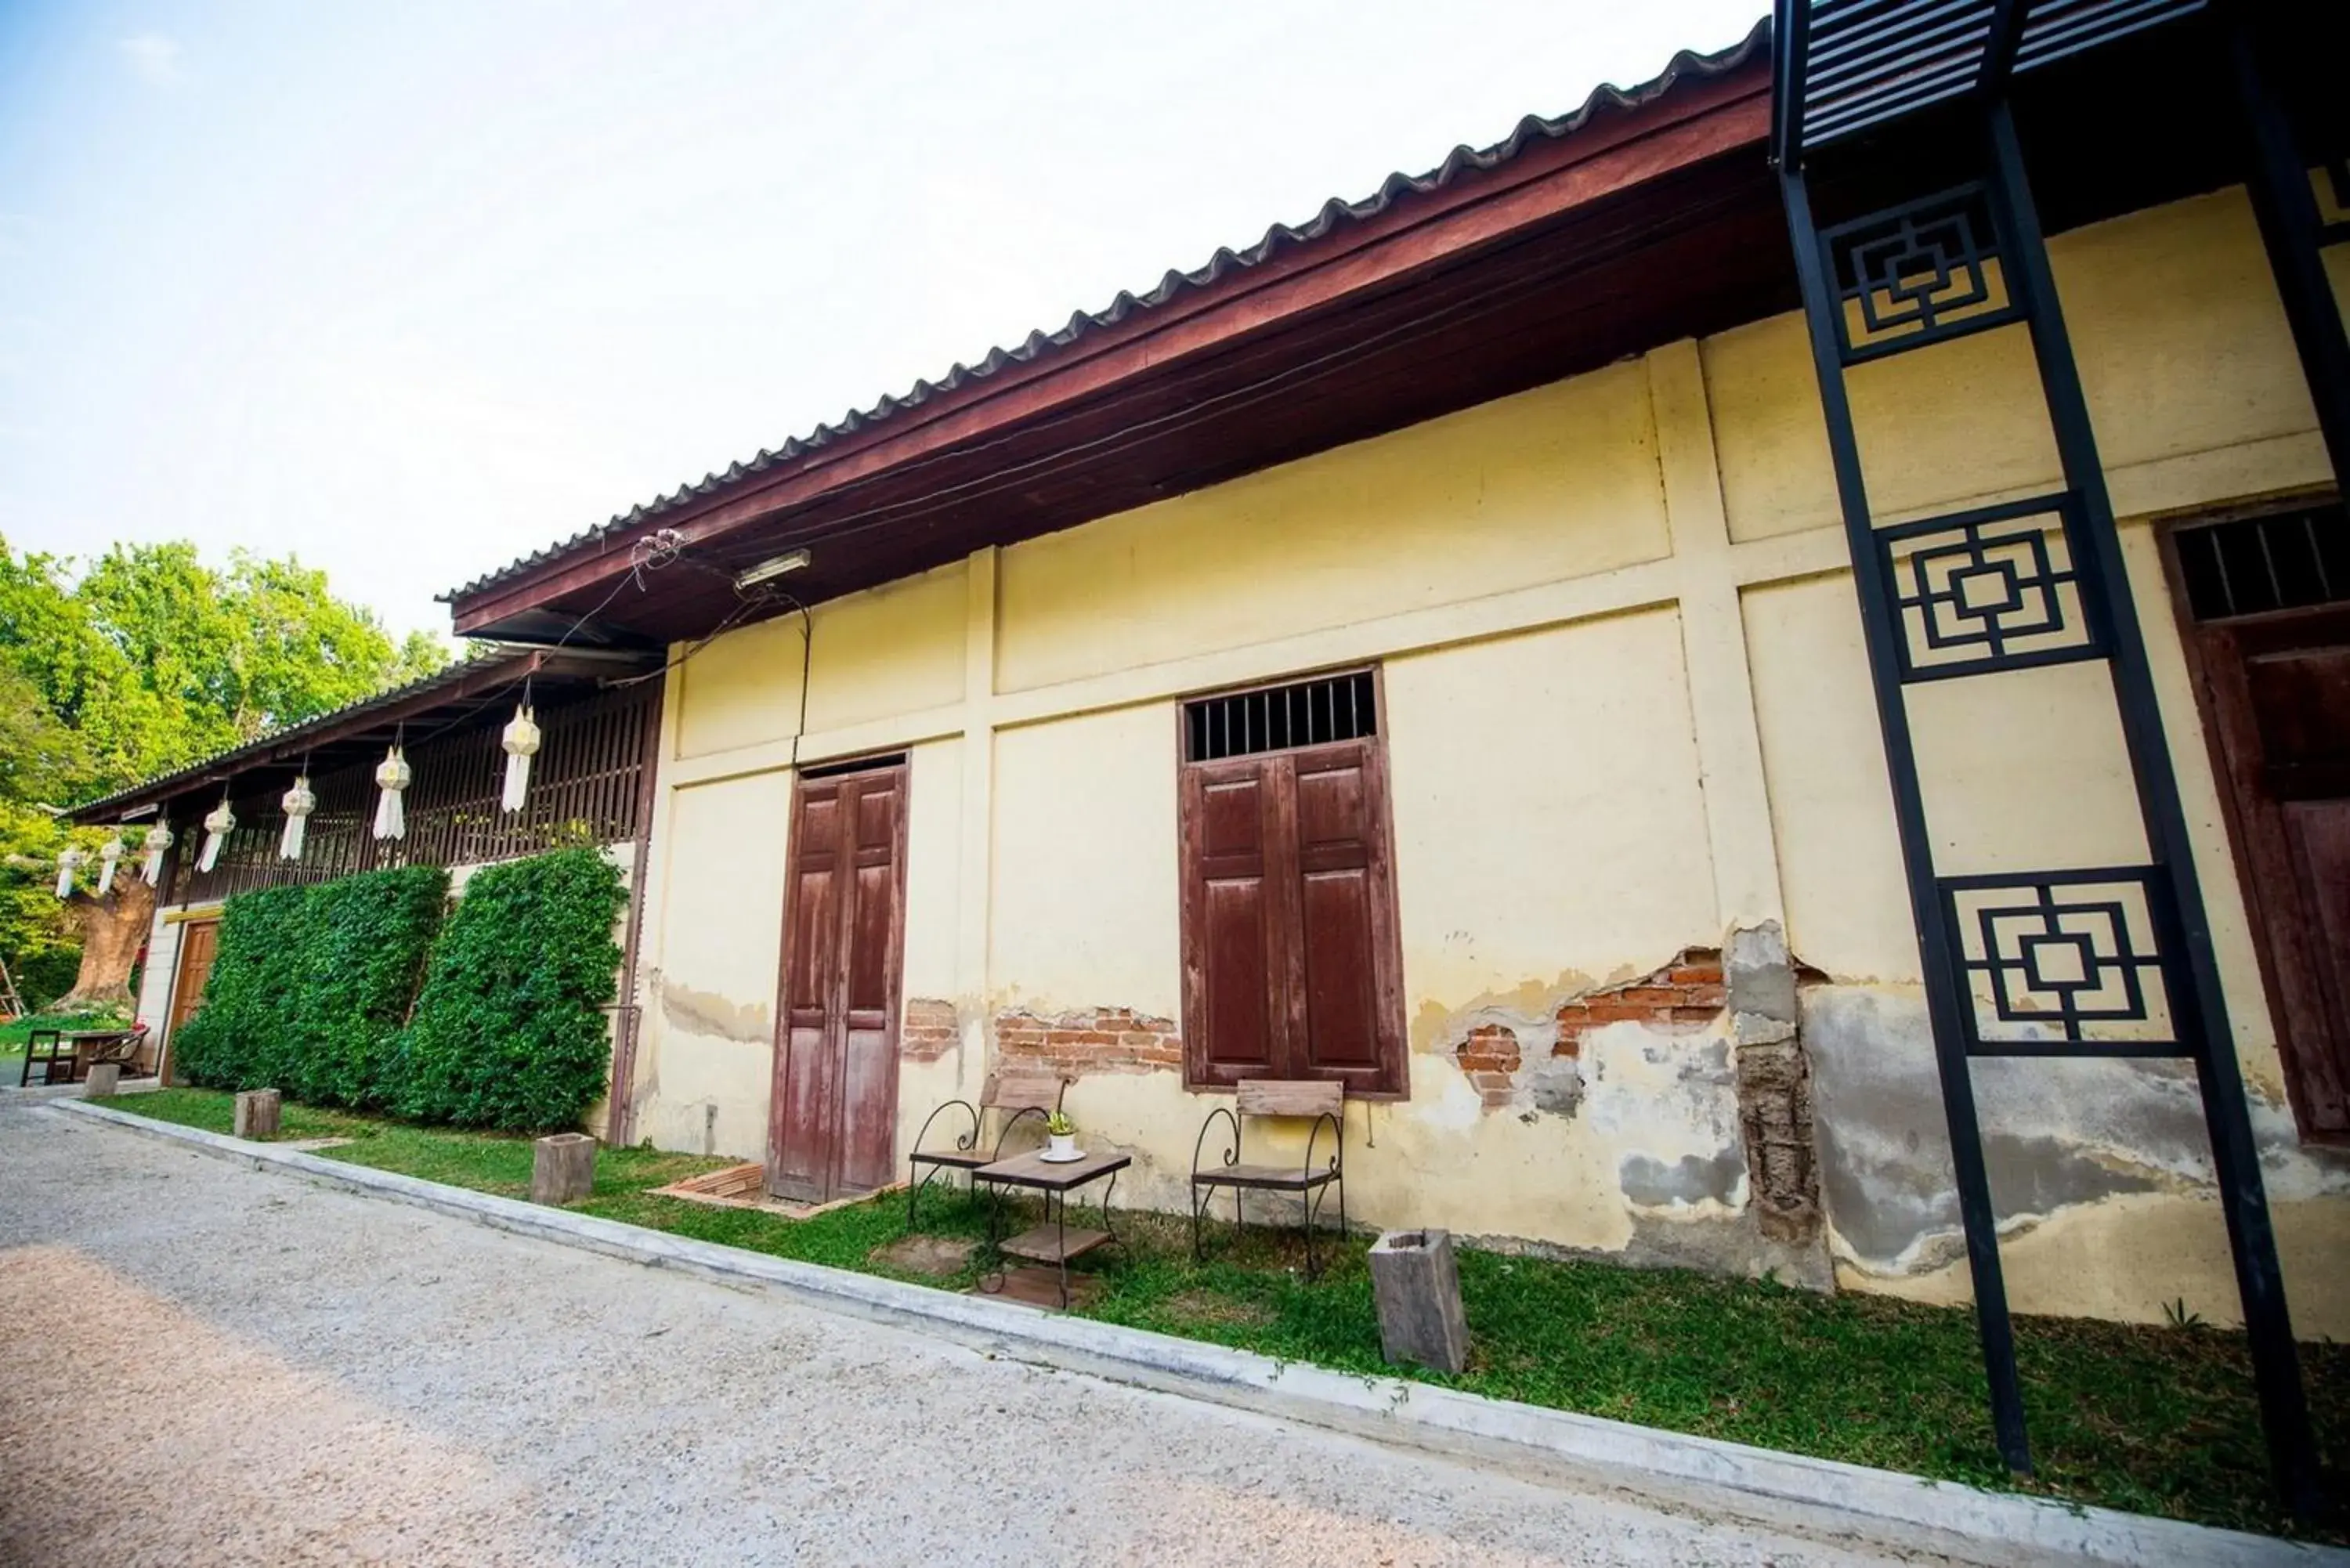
pixel 1417 1288
pixel 562 1168
pixel 257 1113
pixel 103 1080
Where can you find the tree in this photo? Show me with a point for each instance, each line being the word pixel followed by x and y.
pixel 147 661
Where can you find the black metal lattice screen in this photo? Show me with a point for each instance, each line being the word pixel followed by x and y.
pixel 2047 960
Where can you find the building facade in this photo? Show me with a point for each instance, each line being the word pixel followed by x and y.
pixel 1555 820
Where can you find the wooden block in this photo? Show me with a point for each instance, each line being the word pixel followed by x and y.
pixel 1417 1288
pixel 1290 1097
pixel 256 1112
pixel 562 1168
pixel 103 1080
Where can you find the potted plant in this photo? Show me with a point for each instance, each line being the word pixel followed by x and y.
pixel 1061 1138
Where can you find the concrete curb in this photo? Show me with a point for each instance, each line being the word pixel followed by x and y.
pixel 34 1093
pixel 1883 1505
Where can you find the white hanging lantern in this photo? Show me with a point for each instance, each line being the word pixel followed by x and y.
pixel 299 803
pixel 521 741
pixel 158 843
pixel 391 776
pixel 219 823
pixel 69 862
pixel 110 858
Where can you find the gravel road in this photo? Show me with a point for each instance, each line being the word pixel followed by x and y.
pixel 206 1364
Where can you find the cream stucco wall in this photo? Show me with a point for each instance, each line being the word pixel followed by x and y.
pixel 1627 711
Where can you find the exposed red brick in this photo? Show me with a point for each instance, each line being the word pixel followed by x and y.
pixel 1686 994
pixel 1490 1055
pixel 1096 1040
pixel 928 1030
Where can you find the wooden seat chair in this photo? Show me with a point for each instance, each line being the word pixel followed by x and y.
pixel 1015 1095
pixel 1266 1099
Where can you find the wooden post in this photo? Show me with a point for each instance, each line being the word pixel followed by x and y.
pixel 104 1078
pixel 562 1168
pixel 1417 1289
pixel 257 1113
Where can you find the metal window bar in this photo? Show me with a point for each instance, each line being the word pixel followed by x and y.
pixel 2254 566
pixel 1280 717
pixel 2194 1010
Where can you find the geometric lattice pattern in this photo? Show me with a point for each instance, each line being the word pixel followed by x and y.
pixel 1917 274
pixel 1993 589
pixel 2068 962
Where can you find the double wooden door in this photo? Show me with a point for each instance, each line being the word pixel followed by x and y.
pixel 833 1119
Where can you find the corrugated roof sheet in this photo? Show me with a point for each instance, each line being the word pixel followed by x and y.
pixel 1336 215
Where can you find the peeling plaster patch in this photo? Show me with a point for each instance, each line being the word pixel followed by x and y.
pixel 1490 1057
pixel 2061 1135
pixel 1439 1028
pixel 701 1012
pixel 1684 994
pixel 929 1030
pixel 1093 1040
pixel 1554 1085
pixel 1690 1180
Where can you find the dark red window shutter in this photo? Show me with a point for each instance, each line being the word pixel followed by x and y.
pixel 1230 927
pixel 1339 819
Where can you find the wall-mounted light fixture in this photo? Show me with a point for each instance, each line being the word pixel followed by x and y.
pixel 771 567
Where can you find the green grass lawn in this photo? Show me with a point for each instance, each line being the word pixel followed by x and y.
pixel 2157 1420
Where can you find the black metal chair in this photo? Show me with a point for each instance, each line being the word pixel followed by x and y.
pixel 1022 1095
pixel 46 1047
pixel 1269 1097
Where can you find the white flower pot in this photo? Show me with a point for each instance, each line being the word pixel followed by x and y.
pixel 1062 1146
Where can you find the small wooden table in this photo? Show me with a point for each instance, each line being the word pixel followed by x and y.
pixel 1052 1242
pixel 75 1051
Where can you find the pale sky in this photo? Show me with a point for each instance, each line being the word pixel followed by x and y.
pixel 413 288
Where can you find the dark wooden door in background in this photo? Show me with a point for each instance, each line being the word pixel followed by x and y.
pixel 1289 942
pixel 2276 691
pixel 833 1123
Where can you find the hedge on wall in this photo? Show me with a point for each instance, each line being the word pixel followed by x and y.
pixel 511 1031
pixel 231 1043
pixel 310 987
pixel 363 960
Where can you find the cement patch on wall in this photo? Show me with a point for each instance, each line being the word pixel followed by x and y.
pixel 2073 1148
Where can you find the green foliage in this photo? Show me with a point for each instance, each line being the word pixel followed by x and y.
pixel 145 660
pixel 236 1041
pixel 44 976
pixel 311 986
pixel 363 960
pixel 510 1030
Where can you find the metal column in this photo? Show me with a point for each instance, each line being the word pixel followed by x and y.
pixel 2111 961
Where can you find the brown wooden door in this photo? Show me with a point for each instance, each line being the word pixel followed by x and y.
pixel 2276 691
pixel 1290 965
pixel 199 941
pixel 833 1123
